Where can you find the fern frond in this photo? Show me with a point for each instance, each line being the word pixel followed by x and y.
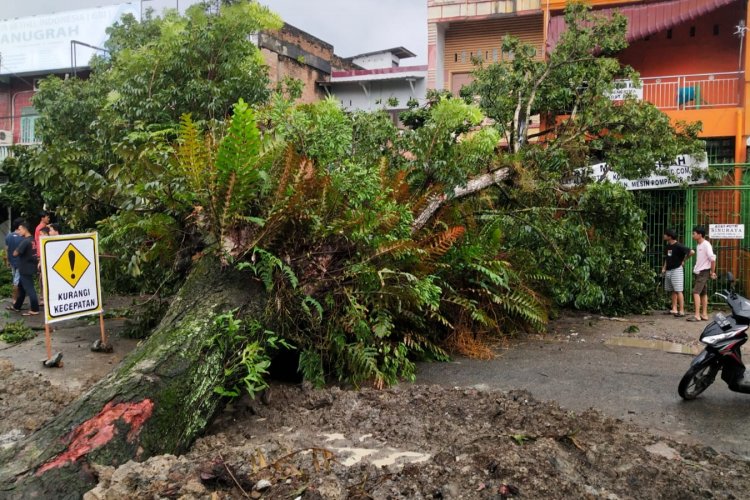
pixel 438 245
pixel 192 157
pixel 400 187
pixel 290 159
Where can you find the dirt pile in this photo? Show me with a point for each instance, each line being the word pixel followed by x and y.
pixel 27 400
pixel 425 442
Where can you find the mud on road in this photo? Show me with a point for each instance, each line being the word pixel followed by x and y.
pixel 426 442
pixel 429 441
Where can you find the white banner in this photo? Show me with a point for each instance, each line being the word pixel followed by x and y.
pixel 726 231
pixel 42 43
pixel 681 172
pixel 625 88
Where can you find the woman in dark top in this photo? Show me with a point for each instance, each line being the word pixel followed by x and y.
pixel 27 264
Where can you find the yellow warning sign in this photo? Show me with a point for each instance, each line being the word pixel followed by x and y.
pixel 71 265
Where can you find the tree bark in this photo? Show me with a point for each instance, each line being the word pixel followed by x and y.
pixel 158 400
pixel 473 186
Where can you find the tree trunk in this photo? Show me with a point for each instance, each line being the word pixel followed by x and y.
pixel 472 186
pixel 158 400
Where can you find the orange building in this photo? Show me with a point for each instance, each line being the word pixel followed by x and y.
pixel 689 53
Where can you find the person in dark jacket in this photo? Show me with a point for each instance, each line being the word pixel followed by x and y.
pixel 27 266
pixel 11 242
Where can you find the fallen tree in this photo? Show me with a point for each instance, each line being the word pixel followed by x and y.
pixel 362 247
pixel 158 400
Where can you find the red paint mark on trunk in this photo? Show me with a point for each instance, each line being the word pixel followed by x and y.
pixel 99 430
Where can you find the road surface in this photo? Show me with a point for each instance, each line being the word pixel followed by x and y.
pixel 637 385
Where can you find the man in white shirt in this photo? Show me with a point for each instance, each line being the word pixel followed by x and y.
pixel 705 268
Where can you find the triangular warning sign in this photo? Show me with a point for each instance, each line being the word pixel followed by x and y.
pixel 71 265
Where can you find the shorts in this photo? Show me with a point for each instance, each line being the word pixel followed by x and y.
pixel 16 275
pixel 700 283
pixel 674 280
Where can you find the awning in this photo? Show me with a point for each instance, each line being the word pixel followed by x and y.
pixel 645 20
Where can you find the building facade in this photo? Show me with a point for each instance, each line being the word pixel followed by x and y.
pixel 382 81
pixel 689 54
pixel 293 53
pixel 34 47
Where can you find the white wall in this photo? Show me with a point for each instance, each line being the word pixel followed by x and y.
pixel 377 61
pixel 352 96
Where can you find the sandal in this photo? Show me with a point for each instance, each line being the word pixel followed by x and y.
pixel 30 313
pixel 11 308
pixel 704 319
pixel 667 313
pixel 679 315
pixel 693 319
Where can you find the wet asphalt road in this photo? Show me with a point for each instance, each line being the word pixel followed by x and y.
pixel 635 385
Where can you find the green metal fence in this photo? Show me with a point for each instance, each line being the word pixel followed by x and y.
pixel 683 209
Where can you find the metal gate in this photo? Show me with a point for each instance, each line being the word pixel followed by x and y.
pixel 726 202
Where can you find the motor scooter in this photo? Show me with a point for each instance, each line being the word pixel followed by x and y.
pixel 723 337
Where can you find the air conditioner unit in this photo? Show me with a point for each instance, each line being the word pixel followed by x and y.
pixel 6 138
pixel 37 81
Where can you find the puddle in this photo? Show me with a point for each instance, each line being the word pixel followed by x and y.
pixel 658 345
pixel 349 455
pixel 379 457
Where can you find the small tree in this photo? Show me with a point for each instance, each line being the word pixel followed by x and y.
pixel 109 138
pixel 588 240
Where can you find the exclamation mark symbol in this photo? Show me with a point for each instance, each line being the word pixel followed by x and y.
pixel 72 260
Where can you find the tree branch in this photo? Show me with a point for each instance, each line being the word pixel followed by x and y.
pixel 473 186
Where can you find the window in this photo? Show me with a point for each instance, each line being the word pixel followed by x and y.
pixel 28 125
pixel 720 150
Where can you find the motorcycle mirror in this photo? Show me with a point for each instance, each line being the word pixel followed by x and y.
pixel 730 277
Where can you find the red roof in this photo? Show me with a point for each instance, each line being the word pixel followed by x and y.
pixel 645 20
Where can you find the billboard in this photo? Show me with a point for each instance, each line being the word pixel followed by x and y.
pixel 41 44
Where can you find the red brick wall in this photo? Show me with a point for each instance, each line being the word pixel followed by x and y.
pixel 13 98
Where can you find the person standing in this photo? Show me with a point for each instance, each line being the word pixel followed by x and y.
pixel 675 255
pixel 11 243
pixel 44 218
pixel 705 268
pixel 27 265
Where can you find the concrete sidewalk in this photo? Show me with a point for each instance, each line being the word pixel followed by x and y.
pixel 73 338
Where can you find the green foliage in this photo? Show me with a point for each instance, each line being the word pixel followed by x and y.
pixel 592 248
pixel 588 242
pixel 248 349
pixel 349 282
pixel 15 332
pixel 327 209
pixel 6 276
pixel 574 83
pixel 109 138
pixel 20 194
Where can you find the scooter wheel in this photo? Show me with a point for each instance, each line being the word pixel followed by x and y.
pixel 696 380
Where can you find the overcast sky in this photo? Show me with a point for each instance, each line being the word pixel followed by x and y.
pixel 358 26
